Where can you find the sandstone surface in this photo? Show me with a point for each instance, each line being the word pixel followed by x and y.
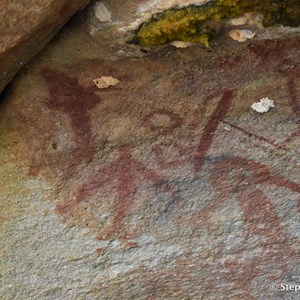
pixel 166 185
pixel 26 26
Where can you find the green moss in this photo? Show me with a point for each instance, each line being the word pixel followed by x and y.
pixel 200 24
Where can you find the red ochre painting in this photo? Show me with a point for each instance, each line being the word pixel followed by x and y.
pixel 124 174
pixel 182 153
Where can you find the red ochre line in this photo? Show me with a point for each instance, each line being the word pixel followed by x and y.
pixel 293 97
pixel 210 128
pixel 254 135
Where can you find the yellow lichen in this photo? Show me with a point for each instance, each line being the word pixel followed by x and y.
pixel 200 24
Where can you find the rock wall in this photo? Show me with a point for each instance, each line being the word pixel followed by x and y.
pixel 26 26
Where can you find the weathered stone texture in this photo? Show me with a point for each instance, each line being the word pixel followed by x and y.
pixel 26 26
pixel 166 185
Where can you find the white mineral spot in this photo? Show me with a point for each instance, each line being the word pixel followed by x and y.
pixel 102 13
pixel 105 81
pixel 263 105
pixel 241 35
pixel 180 44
